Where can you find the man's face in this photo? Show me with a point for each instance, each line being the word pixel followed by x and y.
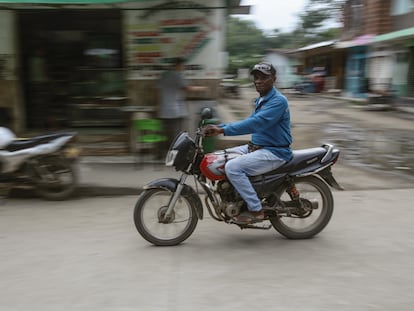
pixel 263 83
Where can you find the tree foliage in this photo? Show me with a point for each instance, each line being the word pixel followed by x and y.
pixel 317 13
pixel 246 44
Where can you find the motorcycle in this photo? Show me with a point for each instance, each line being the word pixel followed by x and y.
pixel 296 197
pixel 44 163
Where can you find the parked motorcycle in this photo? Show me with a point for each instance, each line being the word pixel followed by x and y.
pixel 296 197
pixel 45 163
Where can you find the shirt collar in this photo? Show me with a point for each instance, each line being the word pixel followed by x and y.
pixel 262 99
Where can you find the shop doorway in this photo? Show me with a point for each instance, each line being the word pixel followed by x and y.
pixel 72 67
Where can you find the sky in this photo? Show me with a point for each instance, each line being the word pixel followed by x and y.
pixel 272 14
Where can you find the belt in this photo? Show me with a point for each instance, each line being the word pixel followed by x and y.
pixel 252 147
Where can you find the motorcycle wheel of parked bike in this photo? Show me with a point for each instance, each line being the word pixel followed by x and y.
pixel 149 218
pixel 57 178
pixel 313 214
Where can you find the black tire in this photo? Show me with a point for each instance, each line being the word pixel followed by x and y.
pixel 152 203
pixel 311 188
pixel 60 181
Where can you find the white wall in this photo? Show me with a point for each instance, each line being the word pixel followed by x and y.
pixel 7 46
pixel 285 72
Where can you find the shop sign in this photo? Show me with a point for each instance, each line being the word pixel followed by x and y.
pixel 156 34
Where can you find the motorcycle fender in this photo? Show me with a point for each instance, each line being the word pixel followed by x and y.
pixel 326 174
pixel 170 184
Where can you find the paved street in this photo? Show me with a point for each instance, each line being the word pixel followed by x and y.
pixel 85 254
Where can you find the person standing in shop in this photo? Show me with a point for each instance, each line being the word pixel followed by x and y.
pixel 172 106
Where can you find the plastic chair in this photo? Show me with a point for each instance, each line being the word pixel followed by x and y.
pixel 149 137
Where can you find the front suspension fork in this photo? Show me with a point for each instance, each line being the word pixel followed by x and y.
pixel 177 193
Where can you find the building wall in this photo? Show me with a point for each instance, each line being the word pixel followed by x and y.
pixel 403 21
pixel 366 17
pixel 377 19
pixel 402 12
pixel 10 96
pixel 286 77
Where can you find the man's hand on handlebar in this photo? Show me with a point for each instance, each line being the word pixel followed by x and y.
pixel 212 130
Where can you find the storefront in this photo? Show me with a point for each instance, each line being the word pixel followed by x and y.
pixel 89 62
pixel 356 77
pixel 397 51
pixel 72 69
pixel 323 59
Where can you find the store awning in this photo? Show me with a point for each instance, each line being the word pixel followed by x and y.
pixel 82 1
pixel 395 35
pixel 67 1
pixel 316 46
pixel 357 41
pixel 233 6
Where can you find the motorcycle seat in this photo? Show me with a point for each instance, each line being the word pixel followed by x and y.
pixel 20 144
pixel 301 159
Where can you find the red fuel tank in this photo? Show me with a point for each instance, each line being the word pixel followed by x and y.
pixel 212 165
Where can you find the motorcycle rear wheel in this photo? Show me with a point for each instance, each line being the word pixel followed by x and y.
pixel 148 218
pixel 57 180
pixel 315 193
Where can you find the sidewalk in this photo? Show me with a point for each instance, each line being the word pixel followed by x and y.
pixel 114 177
pixel 401 104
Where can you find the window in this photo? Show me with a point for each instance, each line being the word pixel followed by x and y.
pixel 356 14
pixel 400 7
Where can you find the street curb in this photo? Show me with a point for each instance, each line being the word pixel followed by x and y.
pixel 82 191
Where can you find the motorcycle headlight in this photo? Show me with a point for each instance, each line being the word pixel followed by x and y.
pixel 170 158
pixel 181 153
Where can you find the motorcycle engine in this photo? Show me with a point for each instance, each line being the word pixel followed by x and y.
pixel 226 191
pixel 231 200
pixel 232 209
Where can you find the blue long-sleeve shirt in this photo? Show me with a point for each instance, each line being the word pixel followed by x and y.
pixel 269 125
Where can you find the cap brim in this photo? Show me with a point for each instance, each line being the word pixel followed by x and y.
pixel 266 72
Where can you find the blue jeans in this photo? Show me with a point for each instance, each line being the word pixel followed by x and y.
pixel 250 164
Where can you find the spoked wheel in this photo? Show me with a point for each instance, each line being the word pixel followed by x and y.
pixel 309 216
pixel 150 222
pixel 57 178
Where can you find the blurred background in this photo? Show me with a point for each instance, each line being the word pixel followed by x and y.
pixel 93 65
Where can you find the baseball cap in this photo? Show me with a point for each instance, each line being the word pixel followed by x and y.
pixel 265 68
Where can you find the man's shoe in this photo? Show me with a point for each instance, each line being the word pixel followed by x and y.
pixel 250 217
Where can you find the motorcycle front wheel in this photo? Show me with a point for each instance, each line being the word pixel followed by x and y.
pixel 149 218
pixel 57 178
pixel 314 213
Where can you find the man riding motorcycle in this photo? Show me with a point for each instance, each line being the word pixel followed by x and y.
pixel 269 148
